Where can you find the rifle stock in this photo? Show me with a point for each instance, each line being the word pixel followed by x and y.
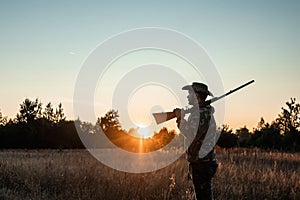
pixel 166 116
pixel 163 116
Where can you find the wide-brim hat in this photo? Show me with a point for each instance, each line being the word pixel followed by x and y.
pixel 198 88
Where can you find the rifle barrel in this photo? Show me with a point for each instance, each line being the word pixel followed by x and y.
pixel 234 90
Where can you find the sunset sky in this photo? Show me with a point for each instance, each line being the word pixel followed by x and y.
pixel 44 43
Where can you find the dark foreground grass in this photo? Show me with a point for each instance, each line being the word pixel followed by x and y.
pixel 74 174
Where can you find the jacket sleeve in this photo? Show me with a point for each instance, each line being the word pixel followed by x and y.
pixel 196 126
pixel 189 127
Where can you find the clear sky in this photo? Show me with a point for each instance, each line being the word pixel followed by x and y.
pixel 44 43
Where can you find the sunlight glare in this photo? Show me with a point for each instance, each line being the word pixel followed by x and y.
pixel 144 132
pixel 146 100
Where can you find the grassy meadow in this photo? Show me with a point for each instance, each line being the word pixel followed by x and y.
pixel 75 174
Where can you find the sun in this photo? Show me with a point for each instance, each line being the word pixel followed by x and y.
pixel 144 131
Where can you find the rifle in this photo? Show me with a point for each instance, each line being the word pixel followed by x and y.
pixel 166 116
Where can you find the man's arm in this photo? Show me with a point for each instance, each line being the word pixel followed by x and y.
pixel 187 128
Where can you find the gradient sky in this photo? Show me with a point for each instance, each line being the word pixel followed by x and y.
pixel 44 43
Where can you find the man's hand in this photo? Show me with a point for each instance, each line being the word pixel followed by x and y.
pixel 178 113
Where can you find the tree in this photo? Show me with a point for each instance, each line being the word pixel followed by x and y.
pixel 289 119
pixel 243 136
pixel 48 113
pixel 29 111
pixel 109 121
pixel 3 120
pixel 227 138
pixel 163 137
pixel 262 124
pixel 288 122
pixel 59 114
pixel 266 136
pixel 87 127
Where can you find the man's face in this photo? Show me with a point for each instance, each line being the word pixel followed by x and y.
pixel 192 98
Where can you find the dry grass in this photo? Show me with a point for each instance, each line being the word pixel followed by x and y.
pixel 255 174
pixel 74 174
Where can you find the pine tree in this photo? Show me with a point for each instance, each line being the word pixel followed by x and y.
pixel 29 111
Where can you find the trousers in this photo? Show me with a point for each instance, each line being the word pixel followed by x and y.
pixel 202 173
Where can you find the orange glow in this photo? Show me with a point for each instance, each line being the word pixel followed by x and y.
pixel 141 146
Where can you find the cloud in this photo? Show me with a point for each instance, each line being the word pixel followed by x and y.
pixel 72 53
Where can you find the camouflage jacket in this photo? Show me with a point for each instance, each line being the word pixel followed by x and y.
pixel 195 128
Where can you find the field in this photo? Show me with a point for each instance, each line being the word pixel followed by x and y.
pixel 75 174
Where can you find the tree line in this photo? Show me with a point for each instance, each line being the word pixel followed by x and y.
pixel 283 133
pixel 36 126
